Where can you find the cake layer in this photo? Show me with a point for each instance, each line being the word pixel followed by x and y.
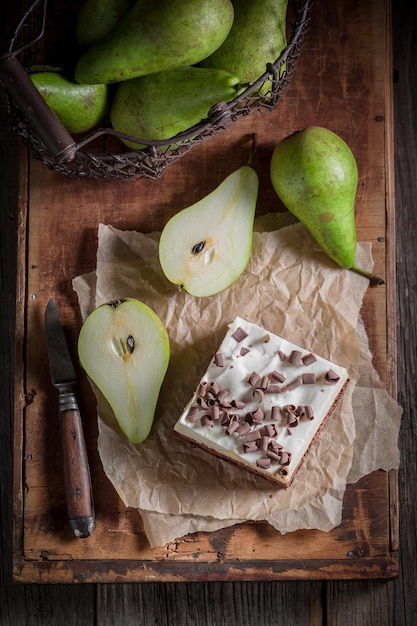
pixel 262 402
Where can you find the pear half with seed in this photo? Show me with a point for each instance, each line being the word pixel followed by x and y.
pixel 205 247
pixel 124 348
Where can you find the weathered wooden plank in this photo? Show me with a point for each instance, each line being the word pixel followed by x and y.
pixel 223 604
pixel 35 605
pixel 364 533
pixel 395 601
pixel 58 248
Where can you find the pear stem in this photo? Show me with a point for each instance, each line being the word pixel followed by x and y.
pixel 374 280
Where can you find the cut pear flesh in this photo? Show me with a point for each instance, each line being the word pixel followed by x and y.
pixel 205 247
pixel 124 348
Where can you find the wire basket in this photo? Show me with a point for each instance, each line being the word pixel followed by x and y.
pixel 44 36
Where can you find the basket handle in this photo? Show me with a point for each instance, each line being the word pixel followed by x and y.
pixel 43 121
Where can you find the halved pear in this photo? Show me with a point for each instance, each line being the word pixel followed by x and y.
pixel 205 247
pixel 124 348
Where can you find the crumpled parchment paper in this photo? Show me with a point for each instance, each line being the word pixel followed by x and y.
pixel 291 289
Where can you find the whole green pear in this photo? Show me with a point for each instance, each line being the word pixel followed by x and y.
pixel 159 106
pixel 97 18
pixel 315 174
pixel 257 37
pixel 157 36
pixel 79 107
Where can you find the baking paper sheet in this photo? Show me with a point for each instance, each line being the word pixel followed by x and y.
pixel 292 289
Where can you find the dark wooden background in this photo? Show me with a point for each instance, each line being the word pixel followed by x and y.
pixel 381 603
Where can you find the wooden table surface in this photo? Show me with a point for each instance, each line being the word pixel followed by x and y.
pixel 272 602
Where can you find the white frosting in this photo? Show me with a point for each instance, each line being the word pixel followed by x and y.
pixel 264 358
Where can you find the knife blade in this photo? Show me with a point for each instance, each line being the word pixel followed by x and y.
pixel 78 491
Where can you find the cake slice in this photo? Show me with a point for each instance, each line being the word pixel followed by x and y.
pixel 262 402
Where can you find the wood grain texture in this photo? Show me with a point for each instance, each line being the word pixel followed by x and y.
pixel 279 603
pixel 62 219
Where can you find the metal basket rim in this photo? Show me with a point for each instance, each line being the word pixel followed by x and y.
pixel 149 162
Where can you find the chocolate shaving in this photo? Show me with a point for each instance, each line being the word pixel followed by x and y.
pixel 289 431
pixel 233 426
pixel 281 355
pixel 202 388
pixel 244 351
pixel 244 428
pixel 309 358
pixel 253 435
pixel 239 334
pixel 263 443
pixel 218 359
pixel 274 445
pixel 293 420
pixel 275 412
pixel 225 419
pixel 308 378
pixel 295 357
pixel 309 412
pixel 291 415
pixel 263 463
pixel 264 384
pixel 274 389
pixel 273 455
pixel 202 402
pixel 250 447
pixel 331 377
pixel 238 404
pixel 192 414
pixel 254 378
pixel 215 413
pixel 206 420
pixel 270 430
pixel 285 458
pixel 211 397
pixel 288 409
pixel 213 388
pixel 257 416
pixel 258 393
pixel 294 384
pixel 221 397
pixel 280 378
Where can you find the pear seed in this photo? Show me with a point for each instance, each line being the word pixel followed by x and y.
pixel 130 344
pixel 198 247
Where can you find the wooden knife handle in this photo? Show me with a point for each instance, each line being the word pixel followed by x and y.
pixel 19 87
pixel 77 474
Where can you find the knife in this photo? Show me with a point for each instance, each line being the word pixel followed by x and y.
pixel 77 478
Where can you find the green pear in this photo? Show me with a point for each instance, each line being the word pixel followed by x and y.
pixel 97 18
pixel 205 247
pixel 124 348
pixel 159 106
pixel 315 174
pixel 157 36
pixel 258 36
pixel 79 107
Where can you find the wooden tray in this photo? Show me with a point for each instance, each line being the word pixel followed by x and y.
pixel 343 82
